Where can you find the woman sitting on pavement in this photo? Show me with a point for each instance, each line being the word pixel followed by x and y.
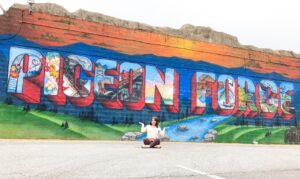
pixel 154 133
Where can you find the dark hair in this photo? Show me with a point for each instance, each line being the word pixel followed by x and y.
pixel 156 119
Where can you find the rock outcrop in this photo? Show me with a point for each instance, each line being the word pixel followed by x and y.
pixel 187 31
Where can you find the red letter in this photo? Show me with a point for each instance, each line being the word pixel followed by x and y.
pixel 223 98
pixel 267 96
pixel 26 73
pixel 286 111
pixel 132 86
pixel 160 85
pixel 244 103
pixel 106 83
pixel 53 81
pixel 201 88
pixel 79 90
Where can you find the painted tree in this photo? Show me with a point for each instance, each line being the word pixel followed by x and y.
pixel 114 121
pixel 8 100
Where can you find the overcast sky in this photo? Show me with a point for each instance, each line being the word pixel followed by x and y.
pixel 264 23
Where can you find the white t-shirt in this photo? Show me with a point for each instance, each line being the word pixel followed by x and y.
pixel 153 132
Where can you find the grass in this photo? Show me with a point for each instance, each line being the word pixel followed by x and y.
pixel 18 124
pixel 276 138
pixel 14 123
pixel 248 134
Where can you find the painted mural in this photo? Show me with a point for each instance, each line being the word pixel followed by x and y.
pixel 114 88
pixel 83 91
pixel 119 85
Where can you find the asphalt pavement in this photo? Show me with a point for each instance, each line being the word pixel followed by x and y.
pixel 117 159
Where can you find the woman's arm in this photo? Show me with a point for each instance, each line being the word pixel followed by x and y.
pixel 143 128
pixel 162 132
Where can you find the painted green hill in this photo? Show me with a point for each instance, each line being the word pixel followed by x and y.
pixel 18 124
pixel 248 134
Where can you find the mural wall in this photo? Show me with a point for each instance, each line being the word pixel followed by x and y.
pixel 199 97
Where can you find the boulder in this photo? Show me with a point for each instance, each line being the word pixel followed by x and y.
pixel 213 120
pixel 138 134
pixel 212 131
pixel 131 136
pixel 202 119
pixel 124 138
pixel 182 127
pixel 195 137
pixel 209 137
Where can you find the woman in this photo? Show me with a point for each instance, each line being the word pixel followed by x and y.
pixel 154 133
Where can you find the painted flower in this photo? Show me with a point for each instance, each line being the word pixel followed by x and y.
pixel 14 71
pixel 50 86
pixel 53 71
pixel 54 74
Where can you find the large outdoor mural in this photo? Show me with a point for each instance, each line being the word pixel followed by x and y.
pixel 197 100
pixel 134 86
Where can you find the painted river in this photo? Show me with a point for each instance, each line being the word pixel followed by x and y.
pixel 196 128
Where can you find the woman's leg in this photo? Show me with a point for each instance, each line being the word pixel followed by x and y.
pixel 155 143
pixel 147 141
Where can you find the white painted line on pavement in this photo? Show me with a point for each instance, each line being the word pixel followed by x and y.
pixel 200 172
